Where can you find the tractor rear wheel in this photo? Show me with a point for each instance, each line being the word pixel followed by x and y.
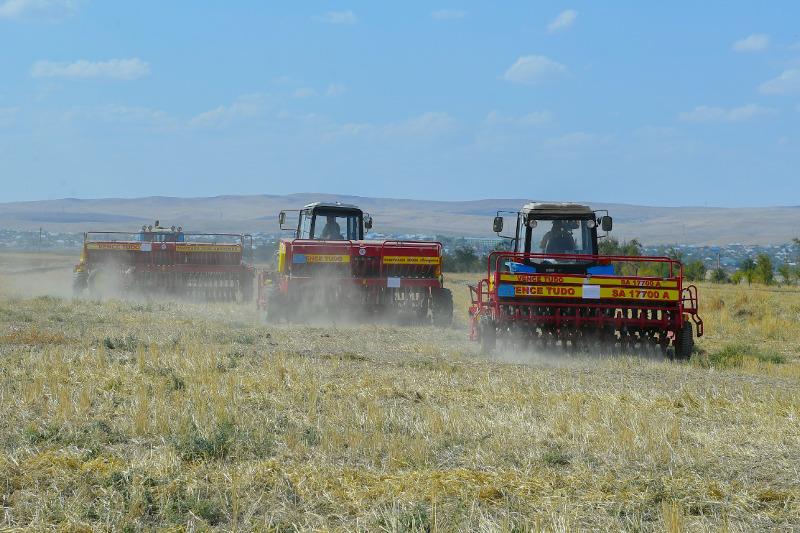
pixel 442 307
pixel 684 342
pixel 488 335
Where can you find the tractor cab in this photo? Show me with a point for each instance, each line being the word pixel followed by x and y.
pixel 156 233
pixel 329 222
pixel 557 234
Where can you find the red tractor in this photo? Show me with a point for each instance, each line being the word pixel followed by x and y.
pixel 553 288
pixel 166 261
pixel 329 269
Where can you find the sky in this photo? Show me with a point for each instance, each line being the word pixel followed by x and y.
pixel 652 103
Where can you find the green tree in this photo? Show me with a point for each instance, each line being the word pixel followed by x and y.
pixel 748 269
pixel 612 246
pixel 631 248
pixel 695 270
pixel 463 259
pixel 786 272
pixel 674 253
pixel 763 270
pixel 718 275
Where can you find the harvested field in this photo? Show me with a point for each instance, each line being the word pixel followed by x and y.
pixel 122 415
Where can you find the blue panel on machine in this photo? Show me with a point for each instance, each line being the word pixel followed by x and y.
pixel 601 270
pixel 519 268
pixel 505 291
pixel 299 258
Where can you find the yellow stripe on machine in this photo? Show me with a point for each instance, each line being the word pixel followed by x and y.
pixel 592 292
pixel 207 248
pixel 323 258
pixel 113 246
pixel 588 280
pixel 410 260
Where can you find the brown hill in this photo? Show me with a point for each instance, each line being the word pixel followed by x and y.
pixel 258 213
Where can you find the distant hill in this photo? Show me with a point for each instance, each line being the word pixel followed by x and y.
pixel 258 213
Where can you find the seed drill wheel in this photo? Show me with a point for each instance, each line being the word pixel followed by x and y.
pixel 276 307
pixel 442 307
pixel 80 284
pixel 684 342
pixel 487 335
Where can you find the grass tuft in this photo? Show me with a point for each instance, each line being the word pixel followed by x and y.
pixel 738 355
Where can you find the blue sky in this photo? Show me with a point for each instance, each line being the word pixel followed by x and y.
pixel 655 103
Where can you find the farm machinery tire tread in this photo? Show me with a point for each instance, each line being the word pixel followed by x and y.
pixel 442 307
pixel 487 335
pixel 684 343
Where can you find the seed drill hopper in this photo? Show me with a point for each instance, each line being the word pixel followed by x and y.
pixel 554 289
pixel 329 269
pixel 168 262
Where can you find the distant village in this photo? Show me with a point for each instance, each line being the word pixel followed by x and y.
pixel 728 257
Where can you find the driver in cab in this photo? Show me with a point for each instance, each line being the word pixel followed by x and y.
pixel 332 231
pixel 559 239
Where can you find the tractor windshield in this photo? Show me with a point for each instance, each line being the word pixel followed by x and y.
pixel 562 236
pixel 147 236
pixel 336 225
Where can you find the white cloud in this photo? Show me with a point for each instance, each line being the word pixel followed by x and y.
pixel 7 115
pixel 531 119
pixel 701 114
pixel 422 127
pixel 575 140
pixel 49 9
pixel 757 42
pixel 563 21
pixel 448 14
pixel 245 107
pixel 304 92
pixel 787 82
pixel 119 69
pixel 339 17
pixel 120 114
pixel 336 89
pixel 534 69
pixel 427 124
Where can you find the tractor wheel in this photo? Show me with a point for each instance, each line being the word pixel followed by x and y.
pixel 488 335
pixel 684 342
pixel 246 286
pixel 275 308
pixel 442 307
pixel 80 284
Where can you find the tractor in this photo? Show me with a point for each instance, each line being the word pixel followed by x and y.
pixel 553 288
pixel 166 261
pixel 328 269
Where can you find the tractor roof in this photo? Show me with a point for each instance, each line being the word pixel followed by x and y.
pixel 556 208
pixel 332 205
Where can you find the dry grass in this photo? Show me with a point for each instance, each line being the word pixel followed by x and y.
pixel 130 416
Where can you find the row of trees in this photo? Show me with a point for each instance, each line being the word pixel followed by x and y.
pixel 761 270
pixel 694 270
pixel 751 270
